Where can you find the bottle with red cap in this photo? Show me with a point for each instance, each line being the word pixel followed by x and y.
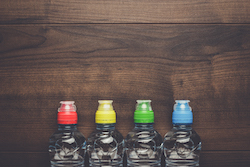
pixel 67 146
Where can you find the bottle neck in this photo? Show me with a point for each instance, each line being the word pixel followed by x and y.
pixel 144 125
pixel 182 126
pixel 105 126
pixel 70 127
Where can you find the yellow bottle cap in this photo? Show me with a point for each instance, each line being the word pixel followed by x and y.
pixel 105 113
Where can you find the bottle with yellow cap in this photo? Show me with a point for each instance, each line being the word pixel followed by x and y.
pixel 105 146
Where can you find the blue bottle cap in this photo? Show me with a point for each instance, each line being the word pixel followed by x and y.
pixel 182 112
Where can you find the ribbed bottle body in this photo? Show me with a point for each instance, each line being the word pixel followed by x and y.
pixel 105 147
pixel 182 146
pixel 143 146
pixel 67 147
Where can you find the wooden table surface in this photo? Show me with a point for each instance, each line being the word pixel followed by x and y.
pixel 86 50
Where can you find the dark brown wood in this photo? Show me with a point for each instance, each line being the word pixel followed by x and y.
pixel 44 64
pixel 120 11
pixel 19 159
pixel 225 158
pixel 208 159
pixel 84 50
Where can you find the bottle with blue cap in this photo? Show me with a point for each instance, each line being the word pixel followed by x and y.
pixel 182 145
pixel 143 144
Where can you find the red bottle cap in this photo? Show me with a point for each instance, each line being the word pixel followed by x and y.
pixel 67 113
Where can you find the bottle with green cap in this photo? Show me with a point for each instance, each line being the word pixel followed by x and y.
pixel 105 146
pixel 182 144
pixel 143 144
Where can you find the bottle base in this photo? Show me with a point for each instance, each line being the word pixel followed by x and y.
pixel 141 165
pixel 107 164
pixel 91 165
pixel 67 164
pixel 144 164
pixel 182 164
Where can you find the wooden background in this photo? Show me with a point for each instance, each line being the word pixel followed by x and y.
pixel 86 50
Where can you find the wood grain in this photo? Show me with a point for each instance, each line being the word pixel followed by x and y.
pixel 41 65
pixel 120 11
pixel 208 159
pixel 224 158
pixel 17 159
pixel 86 50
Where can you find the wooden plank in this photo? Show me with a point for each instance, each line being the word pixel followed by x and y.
pixel 225 158
pixel 120 11
pixel 208 159
pixel 21 159
pixel 41 65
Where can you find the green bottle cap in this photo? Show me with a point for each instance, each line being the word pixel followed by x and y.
pixel 143 112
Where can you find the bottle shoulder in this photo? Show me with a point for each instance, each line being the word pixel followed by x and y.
pixel 67 134
pixel 102 134
pixel 175 134
pixel 143 134
pixel 151 131
pixel 176 130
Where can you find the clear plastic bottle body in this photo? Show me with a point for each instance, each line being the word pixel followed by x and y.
pixel 105 147
pixel 182 146
pixel 67 147
pixel 143 146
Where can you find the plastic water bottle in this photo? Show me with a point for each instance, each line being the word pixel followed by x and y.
pixel 67 146
pixel 182 144
pixel 105 146
pixel 143 143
